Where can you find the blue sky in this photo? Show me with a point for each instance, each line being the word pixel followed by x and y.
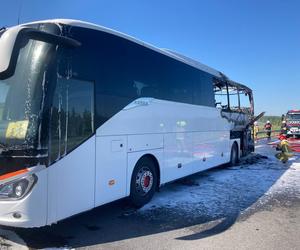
pixel 253 42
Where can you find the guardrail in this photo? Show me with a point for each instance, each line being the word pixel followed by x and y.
pixel 274 133
pixel 266 131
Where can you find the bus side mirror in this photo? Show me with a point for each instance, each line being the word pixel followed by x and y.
pixel 12 40
pixel 8 40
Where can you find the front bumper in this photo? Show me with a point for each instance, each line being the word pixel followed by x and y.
pixel 294 131
pixel 31 211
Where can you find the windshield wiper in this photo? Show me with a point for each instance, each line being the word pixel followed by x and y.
pixel 24 152
pixel 7 148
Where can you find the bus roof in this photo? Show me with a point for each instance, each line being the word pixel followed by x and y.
pixel 166 52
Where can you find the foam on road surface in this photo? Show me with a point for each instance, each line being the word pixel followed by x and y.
pixel 201 208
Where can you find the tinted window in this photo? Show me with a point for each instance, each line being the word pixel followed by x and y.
pixel 125 71
pixel 204 92
pixel 72 119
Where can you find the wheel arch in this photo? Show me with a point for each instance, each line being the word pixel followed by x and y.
pixel 237 146
pixel 141 193
pixel 133 158
pixel 237 142
pixel 157 167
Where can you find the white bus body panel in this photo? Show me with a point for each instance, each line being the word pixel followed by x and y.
pixel 71 182
pixel 116 157
pixel 145 142
pixel 152 116
pixel 193 138
pixel 111 169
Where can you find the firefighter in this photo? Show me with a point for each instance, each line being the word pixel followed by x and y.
pixel 255 131
pixel 283 128
pixel 268 128
pixel 285 149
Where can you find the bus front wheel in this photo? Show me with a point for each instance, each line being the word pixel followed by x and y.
pixel 143 182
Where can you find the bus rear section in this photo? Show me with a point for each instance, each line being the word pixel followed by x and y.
pixel 235 101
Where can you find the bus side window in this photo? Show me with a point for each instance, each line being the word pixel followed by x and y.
pixel 72 116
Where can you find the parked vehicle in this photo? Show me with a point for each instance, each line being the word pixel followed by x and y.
pixel 89 115
pixel 293 123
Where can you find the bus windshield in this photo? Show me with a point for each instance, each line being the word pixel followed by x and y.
pixel 21 96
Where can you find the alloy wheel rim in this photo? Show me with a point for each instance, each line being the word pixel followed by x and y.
pixel 144 181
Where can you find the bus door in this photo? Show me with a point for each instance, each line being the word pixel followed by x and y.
pixel 72 149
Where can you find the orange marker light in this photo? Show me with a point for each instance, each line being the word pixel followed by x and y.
pixel 111 182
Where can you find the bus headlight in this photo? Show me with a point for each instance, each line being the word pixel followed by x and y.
pixel 17 189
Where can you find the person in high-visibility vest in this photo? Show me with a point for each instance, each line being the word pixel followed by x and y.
pixel 286 151
pixel 268 128
pixel 255 131
pixel 283 128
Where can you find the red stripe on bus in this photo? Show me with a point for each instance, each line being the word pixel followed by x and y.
pixel 9 175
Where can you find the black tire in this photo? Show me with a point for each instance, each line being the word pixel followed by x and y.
pixel 143 182
pixel 234 155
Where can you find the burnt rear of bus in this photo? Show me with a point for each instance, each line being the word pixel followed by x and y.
pixel 236 103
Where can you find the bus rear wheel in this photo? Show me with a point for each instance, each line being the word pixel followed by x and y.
pixel 143 182
pixel 234 155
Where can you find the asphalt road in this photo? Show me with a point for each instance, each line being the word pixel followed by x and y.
pixel 255 205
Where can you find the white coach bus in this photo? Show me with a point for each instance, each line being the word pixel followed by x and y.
pixel 89 115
